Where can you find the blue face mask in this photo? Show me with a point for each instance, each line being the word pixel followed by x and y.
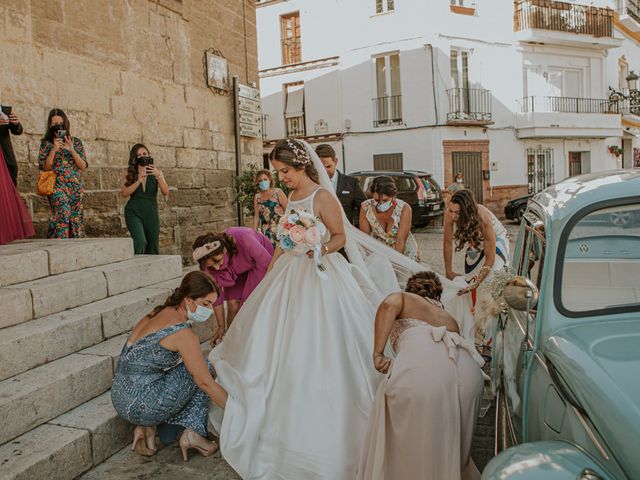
pixel 383 207
pixel 201 314
pixel 264 185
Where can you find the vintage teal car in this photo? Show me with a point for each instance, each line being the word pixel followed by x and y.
pixel 567 352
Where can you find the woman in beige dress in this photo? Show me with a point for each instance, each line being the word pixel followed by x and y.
pixel 425 409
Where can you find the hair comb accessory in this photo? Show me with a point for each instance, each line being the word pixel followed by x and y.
pixel 205 250
pixel 302 156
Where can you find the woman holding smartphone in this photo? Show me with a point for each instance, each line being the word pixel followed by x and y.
pixel 65 155
pixel 141 184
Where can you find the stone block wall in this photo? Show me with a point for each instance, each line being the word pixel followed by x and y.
pixel 128 71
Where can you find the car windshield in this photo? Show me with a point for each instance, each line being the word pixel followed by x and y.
pixel 602 261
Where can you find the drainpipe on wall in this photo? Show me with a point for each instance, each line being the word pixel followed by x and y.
pixel 236 122
pixel 344 160
pixel 433 83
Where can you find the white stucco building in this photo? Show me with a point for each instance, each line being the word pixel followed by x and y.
pixel 513 93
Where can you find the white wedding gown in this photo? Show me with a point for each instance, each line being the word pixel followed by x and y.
pixel 297 365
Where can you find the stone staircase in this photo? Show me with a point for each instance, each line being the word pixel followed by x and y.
pixel 65 309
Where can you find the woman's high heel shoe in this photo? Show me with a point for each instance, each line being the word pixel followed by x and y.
pixel 191 439
pixel 140 442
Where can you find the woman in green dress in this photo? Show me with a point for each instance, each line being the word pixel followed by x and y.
pixel 141 184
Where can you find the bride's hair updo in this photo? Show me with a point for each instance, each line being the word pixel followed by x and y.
pixel 292 153
pixel 425 284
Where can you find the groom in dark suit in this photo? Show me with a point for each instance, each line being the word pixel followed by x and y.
pixel 347 188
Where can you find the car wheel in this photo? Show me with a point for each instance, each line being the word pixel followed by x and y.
pixel 620 219
pixel 520 213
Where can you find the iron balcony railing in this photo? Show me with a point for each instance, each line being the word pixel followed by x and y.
pixel 625 101
pixel 567 105
pixel 387 110
pixel 563 17
pixel 631 8
pixel 295 126
pixel 469 104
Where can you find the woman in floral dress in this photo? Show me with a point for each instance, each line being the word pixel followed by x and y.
pixel 65 155
pixel 388 219
pixel 268 205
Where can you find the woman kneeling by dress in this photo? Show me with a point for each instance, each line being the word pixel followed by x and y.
pixel 162 378
pixel 425 409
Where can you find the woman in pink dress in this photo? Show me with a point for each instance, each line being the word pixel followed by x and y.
pixel 425 409
pixel 15 223
pixel 237 260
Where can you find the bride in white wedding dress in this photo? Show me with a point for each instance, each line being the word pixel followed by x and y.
pixel 296 361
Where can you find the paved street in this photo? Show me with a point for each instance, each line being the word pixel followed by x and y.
pixel 168 464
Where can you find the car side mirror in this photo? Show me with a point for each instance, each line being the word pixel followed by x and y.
pixel 521 294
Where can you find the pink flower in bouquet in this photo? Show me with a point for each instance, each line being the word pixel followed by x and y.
pixel 297 234
pixel 312 236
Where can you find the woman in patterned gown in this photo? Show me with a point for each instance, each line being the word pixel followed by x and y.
pixel 425 409
pixel 162 379
pixel 388 219
pixel 65 155
pixel 268 205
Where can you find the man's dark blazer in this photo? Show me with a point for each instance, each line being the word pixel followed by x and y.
pixel 7 148
pixel 350 195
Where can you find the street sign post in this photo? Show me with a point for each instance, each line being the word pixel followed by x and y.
pixel 249 111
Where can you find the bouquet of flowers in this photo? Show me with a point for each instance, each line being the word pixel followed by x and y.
pixel 302 231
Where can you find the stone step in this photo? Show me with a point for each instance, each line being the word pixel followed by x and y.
pixel 57 293
pixel 37 342
pixel 35 397
pixel 141 271
pixel 32 259
pixel 109 433
pixel 49 451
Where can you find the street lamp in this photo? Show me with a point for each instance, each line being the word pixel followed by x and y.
pixel 632 80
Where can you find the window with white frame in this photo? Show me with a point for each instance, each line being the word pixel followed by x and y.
pixel 294 109
pixel 554 82
pixel 383 6
pixel 388 101
pixel 460 94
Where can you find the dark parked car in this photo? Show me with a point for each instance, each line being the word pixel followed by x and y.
pixel 515 208
pixel 416 188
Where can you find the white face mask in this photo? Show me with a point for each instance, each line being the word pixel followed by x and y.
pixel 383 207
pixel 201 314
pixel 459 180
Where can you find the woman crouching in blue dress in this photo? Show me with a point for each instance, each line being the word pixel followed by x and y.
pixel 162 378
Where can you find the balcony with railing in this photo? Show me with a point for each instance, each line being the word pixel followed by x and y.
pixel 567 105
pixel 556 117
pixel 626 101
pixel 387 111
pixel 563 23
pixel 469 106
pixel 629 11
pixel 295 126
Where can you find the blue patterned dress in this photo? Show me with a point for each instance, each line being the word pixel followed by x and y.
pixel 153 387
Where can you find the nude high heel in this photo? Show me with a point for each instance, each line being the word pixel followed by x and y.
pixel 140 442
pixel 191 439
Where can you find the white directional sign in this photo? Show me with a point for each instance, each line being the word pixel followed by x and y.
pixel 250 111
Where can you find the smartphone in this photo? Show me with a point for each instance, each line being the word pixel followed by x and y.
pixel 6 109
pixel 61 134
